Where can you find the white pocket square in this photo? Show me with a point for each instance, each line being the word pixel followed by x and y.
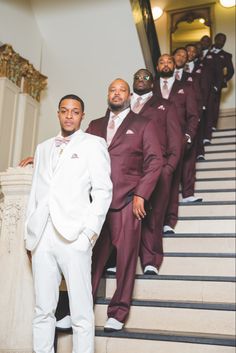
pixel 181 91
pixel 74 155
pixel 190 79
pixel 129 132
pixel 161 107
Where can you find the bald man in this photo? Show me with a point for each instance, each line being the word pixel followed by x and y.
pixel 136 163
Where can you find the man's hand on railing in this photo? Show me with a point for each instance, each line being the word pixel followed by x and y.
pixel 26 161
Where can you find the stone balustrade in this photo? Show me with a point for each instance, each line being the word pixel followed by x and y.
pixel 16 296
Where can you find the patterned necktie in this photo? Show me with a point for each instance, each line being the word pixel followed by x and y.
pixel 138 105
pixel 165 90
pixel 177 75
pixel 111 129
pixel 61 140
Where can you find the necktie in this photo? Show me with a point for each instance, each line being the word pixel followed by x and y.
pixel 137 106
pixel 187 68
pixel 177 75
pixel 111 129
pixel 165 91
pixel 61 140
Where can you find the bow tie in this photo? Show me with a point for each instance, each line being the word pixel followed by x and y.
pixel 61 140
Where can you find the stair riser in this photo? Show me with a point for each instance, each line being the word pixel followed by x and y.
pixel 205 226
pixel 201 291
pixel 219 155
pixel 223 140
pixel 200 245
pixel 216 174
pixel 226 123
pixel 215 196
pixel 122 345
pixel 215 184
pixel 213 147
pixel 206 210
pixel 223 133
pixel 215 164
pixel 187 320
pixel 196 266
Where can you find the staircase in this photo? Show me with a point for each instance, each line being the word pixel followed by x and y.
pixel 190 306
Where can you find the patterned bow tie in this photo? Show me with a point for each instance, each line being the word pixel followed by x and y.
pixel 61 140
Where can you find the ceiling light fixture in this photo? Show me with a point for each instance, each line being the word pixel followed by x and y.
pixel 202 20
pixel 227 3
pixel 156 12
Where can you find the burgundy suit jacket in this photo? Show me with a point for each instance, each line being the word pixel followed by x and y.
pixel 168 130
pixel 136 159
pixel 184 99
pixel 226 63
pixel 193 79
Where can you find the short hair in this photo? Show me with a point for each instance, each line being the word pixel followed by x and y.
pixel 190 45
pixel 219 35
pixel 74 97
pixel 177 49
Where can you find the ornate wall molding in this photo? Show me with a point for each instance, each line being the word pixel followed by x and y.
pixel 18 70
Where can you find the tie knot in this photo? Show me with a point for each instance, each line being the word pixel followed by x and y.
pixel 61 140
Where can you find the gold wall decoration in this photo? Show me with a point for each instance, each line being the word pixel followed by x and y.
pixel 21 72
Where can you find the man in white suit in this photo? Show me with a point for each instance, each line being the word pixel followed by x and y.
pixel 70 195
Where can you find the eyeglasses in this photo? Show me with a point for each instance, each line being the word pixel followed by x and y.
pixel 139 77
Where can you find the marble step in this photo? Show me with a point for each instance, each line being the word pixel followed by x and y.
pixel 205 225
pixel 223 139
pixel 197 265
pixel 199 245
pixel 153 341
pixel 190 317
pixel 219 163
pixel 222 195
pixel 224 132
pixel 216 172
pixel 220 147
pixel 207 209
pixel 215 183
pixel 220 155
pixel 185 288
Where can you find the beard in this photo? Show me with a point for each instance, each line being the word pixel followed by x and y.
pixel 166 74
pixel 118 107
pixel 142 91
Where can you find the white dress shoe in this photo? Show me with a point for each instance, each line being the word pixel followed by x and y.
pixel 111 270
pixel 64 323
pixel 206 142
pixel 150 270
pixel 168 230
pixel 113 325
pixel 200 157
pixel 191 199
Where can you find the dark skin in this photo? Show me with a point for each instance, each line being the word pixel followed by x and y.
pixel 143 82
pixel 220 40
pixel 119 100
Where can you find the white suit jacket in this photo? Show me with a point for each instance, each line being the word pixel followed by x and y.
pixel 81 174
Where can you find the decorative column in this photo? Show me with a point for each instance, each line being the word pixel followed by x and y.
pixel 9 93
pixel 16 295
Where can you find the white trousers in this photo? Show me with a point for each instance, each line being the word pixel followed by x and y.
pixel 53 257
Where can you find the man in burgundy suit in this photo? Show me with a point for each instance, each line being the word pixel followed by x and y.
pixel 169 134
pixel 183 96
pixel 188 172
pixel 227 70
pixel 136 164
pixel 211 83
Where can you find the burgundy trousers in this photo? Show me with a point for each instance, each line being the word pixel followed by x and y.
pixel 188 175
pixel 151 247
pixel 171 216
pixel 122 231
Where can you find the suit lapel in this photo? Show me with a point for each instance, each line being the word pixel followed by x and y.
pixel 67 151
pixel 122 128
pixel 174 88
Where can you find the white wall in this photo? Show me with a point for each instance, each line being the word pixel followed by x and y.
pixel 18 28
pixel 86 45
